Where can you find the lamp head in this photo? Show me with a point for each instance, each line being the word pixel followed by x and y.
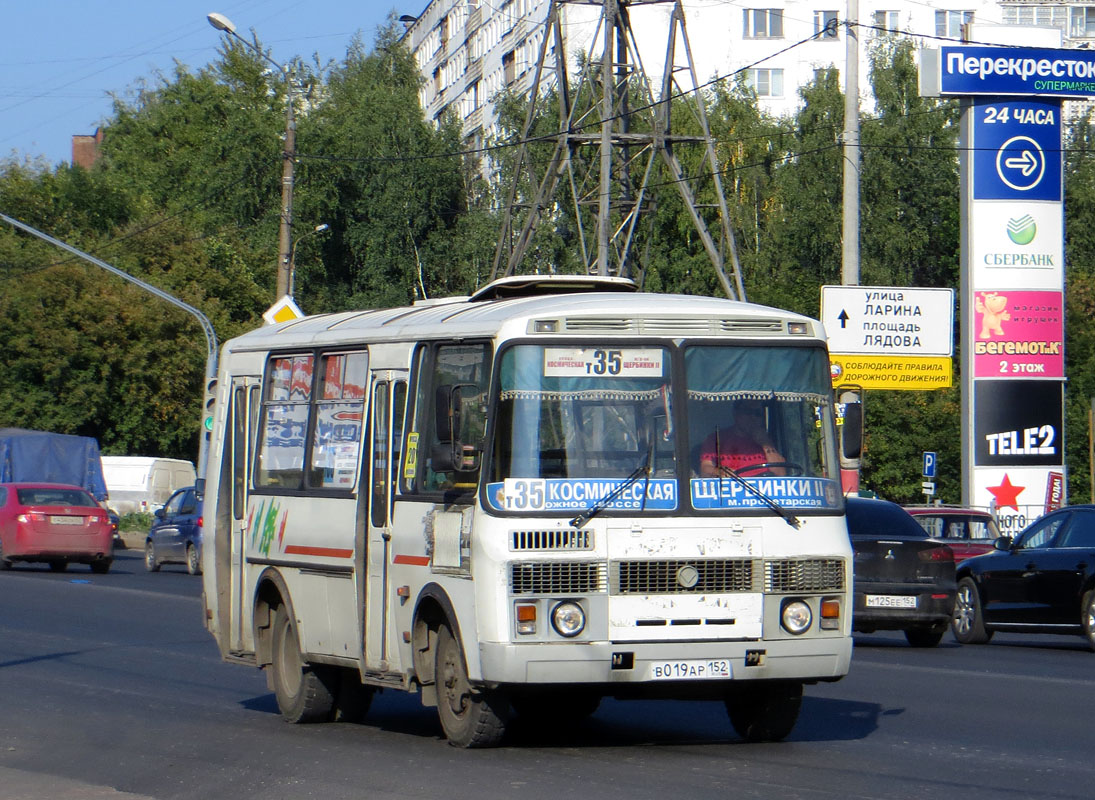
pixel 221 22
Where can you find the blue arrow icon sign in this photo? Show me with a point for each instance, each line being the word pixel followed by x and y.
pixel 1020 163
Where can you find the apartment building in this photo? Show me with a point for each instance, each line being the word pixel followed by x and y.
pixel 469 50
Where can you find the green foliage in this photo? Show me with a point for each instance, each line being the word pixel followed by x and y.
pixel 187 197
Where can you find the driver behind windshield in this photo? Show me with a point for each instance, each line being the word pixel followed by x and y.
pixel 743 447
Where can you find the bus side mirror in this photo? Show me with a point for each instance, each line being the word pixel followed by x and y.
pixel 450 453
pixel 850 412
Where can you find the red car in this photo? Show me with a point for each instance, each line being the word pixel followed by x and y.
pixel 968 531
pixel 55 523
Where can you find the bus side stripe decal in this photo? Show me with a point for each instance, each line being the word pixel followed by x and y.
pixel 333 552
pixel 416 561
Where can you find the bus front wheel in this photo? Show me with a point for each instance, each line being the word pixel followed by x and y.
pixel 764 712
pixel 470 717
pixel 304 691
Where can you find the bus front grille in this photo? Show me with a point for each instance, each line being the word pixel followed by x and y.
pixel 557 577
pixel 696 576
pixel 804 575
pixel 560 539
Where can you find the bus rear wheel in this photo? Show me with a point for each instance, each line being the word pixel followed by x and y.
pixel 470 717
pixel 764 712
pixel 304 691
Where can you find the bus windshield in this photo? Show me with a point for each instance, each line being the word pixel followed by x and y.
pixel 574 423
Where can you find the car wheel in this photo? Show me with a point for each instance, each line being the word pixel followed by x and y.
pixel 926 637
pixel 4 563
pixel 101 566
pixel 470 717
pixel 764 712
pixel 193 565
pixel 58 565
pixel 150 562
pixel 305 692
pixel 1087 617
pixel 968 625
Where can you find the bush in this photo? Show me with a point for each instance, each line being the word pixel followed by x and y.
pixel 139 521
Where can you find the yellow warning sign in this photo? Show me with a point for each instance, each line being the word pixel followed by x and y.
pixel 910 373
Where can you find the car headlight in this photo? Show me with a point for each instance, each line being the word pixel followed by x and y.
pixel 796 617
pixel 568 619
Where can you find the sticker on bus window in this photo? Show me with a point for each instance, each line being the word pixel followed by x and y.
pixel 410 462
pixel 577 494
pixel 788 492
pixel 602 362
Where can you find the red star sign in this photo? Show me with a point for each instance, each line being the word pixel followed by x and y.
pixel 1006 495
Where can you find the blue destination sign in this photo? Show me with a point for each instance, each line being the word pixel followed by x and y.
pixel 577 494
pixel 788 492
pixel 1016 71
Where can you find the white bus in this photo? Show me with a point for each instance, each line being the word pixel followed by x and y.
pixel 496 501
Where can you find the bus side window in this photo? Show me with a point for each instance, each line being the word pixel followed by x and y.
pixel 285 410
pixel 445 445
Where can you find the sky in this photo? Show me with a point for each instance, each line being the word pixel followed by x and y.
pixel 62 60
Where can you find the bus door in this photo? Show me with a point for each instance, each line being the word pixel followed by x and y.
pixel 245 411
pixel 388 402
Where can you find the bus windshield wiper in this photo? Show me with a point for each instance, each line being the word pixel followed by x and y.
pixel 790 518
pixel 602 504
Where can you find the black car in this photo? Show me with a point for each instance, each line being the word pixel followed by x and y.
pixel 902 579
pixel 1042 582
pixel 176 534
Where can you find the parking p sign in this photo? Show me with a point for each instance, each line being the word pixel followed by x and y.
pixel 929 464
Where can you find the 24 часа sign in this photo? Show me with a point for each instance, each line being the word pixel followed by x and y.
pixel 1018 423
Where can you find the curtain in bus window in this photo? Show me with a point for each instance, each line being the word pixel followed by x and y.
pixel 337 423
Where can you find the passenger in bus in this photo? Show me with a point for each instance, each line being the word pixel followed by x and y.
pixel 743 447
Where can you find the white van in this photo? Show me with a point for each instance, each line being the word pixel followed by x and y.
pixel 140 483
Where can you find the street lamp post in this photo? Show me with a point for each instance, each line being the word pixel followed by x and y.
pixel 285 255
pixel 293 254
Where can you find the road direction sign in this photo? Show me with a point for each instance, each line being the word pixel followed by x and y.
pixel 888 320
pixel 928 487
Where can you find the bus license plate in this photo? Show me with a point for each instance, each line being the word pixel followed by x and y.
pixel 891 601
pixel 59 520
pixel 690 670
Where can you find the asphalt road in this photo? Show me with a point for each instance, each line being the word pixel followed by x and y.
pixel 111 688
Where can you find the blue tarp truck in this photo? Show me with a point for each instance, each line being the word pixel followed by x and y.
pixel 27 455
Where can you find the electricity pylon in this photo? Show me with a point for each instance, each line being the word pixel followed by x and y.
pixel 631 131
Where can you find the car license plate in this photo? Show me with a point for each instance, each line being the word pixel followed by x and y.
pixel 56 519
pixel 690 669
pixel 891 601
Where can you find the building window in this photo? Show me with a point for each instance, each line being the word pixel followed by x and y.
pixel 765 82
pixel 825 24
pixel 509 67
pixel 949 23
pixel 886 22
pixel 762 23
pixel 1081 22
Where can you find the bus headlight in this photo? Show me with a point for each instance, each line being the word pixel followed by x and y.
pixel 568 619
pixel 796 617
